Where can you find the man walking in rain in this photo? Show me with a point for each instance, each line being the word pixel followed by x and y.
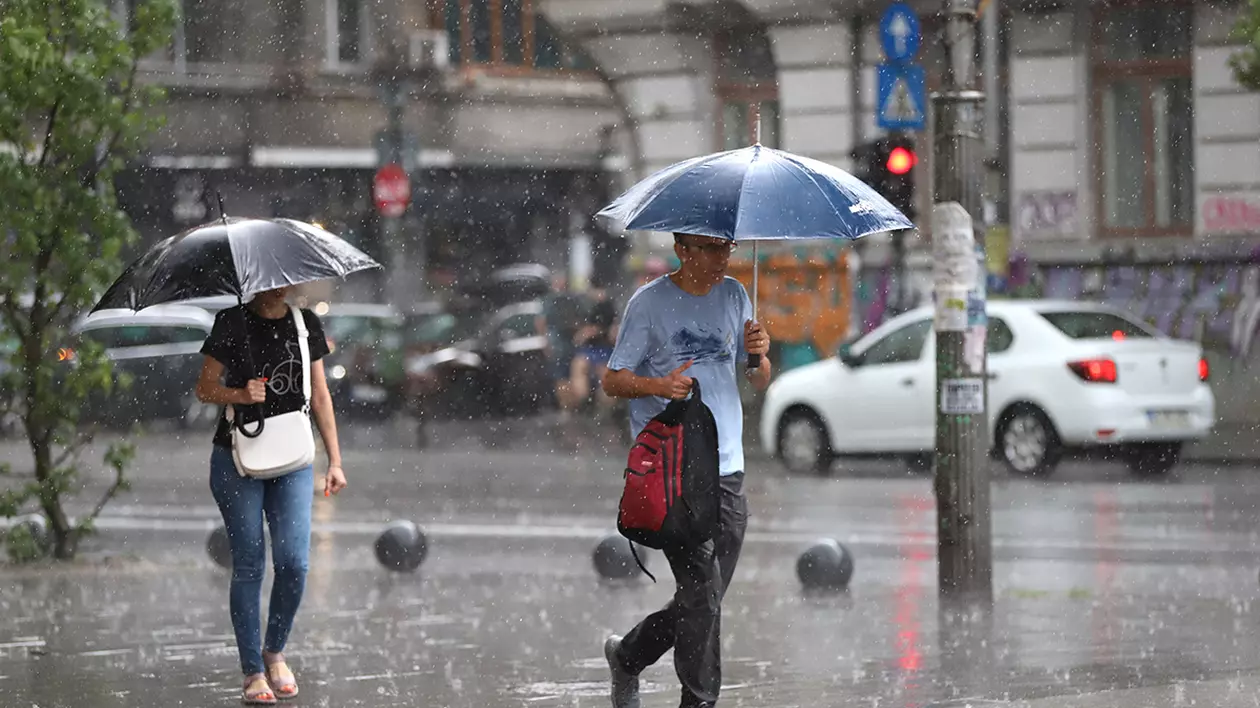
pixel 692 323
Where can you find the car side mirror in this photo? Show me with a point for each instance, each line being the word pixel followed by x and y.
pixel 847 357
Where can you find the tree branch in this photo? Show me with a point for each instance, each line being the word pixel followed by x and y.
pixel 119 485
pixel 129 95
pixel 72 449
pixel 11 309
pixel 48 133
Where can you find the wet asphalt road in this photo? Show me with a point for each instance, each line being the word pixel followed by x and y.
pixel 1110 591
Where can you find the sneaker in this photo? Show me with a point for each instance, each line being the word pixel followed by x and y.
pixel 625 685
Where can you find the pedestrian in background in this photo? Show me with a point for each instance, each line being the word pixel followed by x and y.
pixel 698 321
pixel 263 334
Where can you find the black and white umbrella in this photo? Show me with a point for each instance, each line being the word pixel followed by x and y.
pixel 233 256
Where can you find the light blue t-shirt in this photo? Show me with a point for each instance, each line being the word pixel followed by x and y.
pixel 664 328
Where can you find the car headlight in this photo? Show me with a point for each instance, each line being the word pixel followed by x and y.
pixel 338 372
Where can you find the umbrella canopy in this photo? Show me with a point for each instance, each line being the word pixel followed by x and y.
pixel 756 193
pixel 233 256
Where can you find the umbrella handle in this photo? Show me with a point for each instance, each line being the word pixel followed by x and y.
pixel 240 421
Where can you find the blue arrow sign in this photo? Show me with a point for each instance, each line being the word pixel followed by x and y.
pixel 899 32
pixel 901 102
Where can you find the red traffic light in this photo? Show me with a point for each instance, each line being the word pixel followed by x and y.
pixel 901 161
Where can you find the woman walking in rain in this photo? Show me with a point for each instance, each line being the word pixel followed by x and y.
pixel 253 356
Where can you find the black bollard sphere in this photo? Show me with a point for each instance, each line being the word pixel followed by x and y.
pixel 613 559
pixel 220 547
pixel 401 546
pixel 826 565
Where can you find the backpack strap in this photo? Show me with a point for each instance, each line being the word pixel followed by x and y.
pixel 304 346
pixel 641 566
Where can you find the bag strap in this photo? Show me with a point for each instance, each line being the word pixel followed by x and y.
pixel 304 346
pixel 642 567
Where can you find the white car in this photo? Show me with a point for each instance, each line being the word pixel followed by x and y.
pixel 1063 377
pixel 159 349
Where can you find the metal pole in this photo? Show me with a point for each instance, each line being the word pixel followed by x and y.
pixel 964 540
pixel 391 226
pixel 901 299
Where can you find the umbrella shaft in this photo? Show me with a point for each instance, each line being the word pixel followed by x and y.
pixel 754 298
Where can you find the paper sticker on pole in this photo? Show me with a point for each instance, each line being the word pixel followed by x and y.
pixel 391 190
pixel 951 308
pixel 962 396
pixel 954 268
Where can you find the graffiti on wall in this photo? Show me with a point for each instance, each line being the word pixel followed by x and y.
pixel 1224 214
pixel 1217 304
pixel 1046 214
pixel 805 299
pixel 1214 303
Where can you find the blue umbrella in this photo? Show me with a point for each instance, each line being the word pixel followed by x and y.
pixel 754 194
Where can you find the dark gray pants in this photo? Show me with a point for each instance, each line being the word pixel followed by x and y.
pixel 691 622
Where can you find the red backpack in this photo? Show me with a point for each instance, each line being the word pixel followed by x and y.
pixel 672 490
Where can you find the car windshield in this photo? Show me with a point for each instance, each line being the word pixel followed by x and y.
pixel 346 330
pixel 438 328
pixel 143 335
pixel 1085 324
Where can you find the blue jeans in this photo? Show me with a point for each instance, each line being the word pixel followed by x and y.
pixel 286 502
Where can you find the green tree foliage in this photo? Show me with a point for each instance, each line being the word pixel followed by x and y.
pixel 1246 63
pixel 71 110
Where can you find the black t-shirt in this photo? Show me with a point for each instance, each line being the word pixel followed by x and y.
pixel 275 356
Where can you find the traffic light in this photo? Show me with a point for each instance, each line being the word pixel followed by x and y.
pixel 888 166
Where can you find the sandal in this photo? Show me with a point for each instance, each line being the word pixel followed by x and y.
pixel 259 693
pixel 281 680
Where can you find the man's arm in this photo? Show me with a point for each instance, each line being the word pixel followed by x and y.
pixel 760 377
pixel 624 383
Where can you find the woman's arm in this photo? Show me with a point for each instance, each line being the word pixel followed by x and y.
pixel 326 422
pixel 211 390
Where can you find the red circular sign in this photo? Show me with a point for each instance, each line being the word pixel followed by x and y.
pixel 391 190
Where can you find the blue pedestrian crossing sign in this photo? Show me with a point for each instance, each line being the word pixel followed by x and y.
pixel 901 102
pixel 899 32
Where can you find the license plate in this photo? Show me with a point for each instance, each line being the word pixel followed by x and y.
pixel 1168 419
pixel 370 394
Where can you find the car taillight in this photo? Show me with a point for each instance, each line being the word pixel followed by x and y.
pixel 1204 371
pixel 1094 370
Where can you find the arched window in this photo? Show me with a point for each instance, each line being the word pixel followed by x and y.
pixel 745 78
pixel 504 33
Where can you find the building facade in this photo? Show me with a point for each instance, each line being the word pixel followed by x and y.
pixel 288 107
pixel 1123 161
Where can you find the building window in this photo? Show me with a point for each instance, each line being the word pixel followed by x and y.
pixel 1143 109
pixel 746 85
pixel 206 28
pixel 348 36
pixel 504 33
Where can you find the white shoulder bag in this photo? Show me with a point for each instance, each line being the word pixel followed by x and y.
pixel 282 443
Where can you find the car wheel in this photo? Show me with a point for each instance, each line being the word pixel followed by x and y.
pixel 1153 459
pixel 1027 442
pixel 804 447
